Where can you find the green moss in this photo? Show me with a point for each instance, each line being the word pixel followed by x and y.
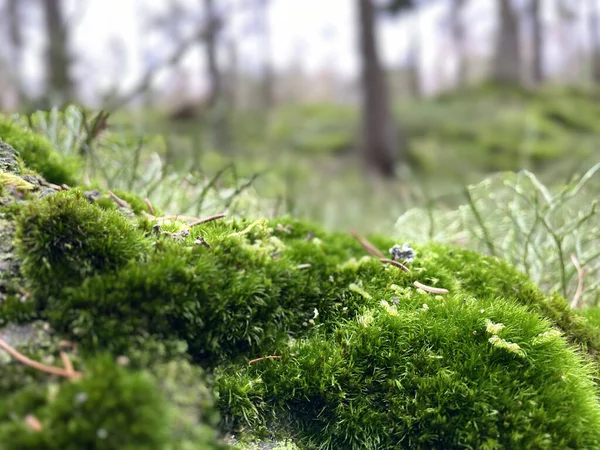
pixel 108 408
pixel 425 373
pixel 37 154
pixel 14 181
pixel 62 239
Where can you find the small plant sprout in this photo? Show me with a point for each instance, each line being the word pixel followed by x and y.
pixel 405 253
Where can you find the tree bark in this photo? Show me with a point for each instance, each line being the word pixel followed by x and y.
pixel 595 42
pixel 216 101
pixel 59 82
pixel 507 63
pixel 379 140
pixel 458 37
pixel 16 48
pixel 538 43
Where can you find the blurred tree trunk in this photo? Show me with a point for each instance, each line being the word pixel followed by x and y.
pixel 16 47
pixel 379 140
pixel 595 42
pixel 59 83
pixel 267 69
pixel 458 37
pixel 413 59
pixel 216 100
pixel 538 43
pixel 210 45
pixel 507 63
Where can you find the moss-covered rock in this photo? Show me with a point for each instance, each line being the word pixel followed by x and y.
pixel 306 334
pixel 38 155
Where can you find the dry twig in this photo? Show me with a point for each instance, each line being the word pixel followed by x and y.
pixel 33 423
pixel 303 266
pixel 580 274
pixel 399 265
pixel 122 203
pixel 149 205
pixel 71 374
pixel 207 219
pixel 264 357
pixel 370 248
pixel 431 289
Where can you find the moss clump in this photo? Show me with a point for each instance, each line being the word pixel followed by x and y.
pixel 425 373
pixel 108 408
pixel 367 359
pixel 62 239
pixel 37 154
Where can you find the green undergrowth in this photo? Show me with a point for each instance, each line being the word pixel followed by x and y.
pixel 288 330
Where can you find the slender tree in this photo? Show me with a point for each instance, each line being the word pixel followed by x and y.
pixel 59 81
pixel 537 63
pixel 507 62
pixel 15 37
pixel 380 144
pixel 458 37
pixel 217 103
pixel 594 41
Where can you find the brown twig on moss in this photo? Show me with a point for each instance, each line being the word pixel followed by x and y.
pixel 175 217
pixel 580 274
pixel 262 358
pixel 148 215
pixel 149 205
pixel 34 423
pixel 303 266
pixel 71 374
pixel 52 185
pixel 67 364
pixel 207 219
pixel 431 289
pixel 65 187
pixel 122 203
pixel 309 236
pixel 399 265
pixel 370 248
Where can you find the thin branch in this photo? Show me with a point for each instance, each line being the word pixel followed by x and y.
pixel 207 219
pixel 370 248
pixel 33 423
pixel 151 73
pixel 431 289
pixel 71 374
pixel 264 357
pixel 68 365
pixel 580 274
pixel 480 222
pixel 122 203
pixel 149 205
pixel 399 265
pixel 303 266
pixel 176 217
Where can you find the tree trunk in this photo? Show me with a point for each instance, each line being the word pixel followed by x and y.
pixel 595 44
pixel 507 63
pixel 59 83
pixel 267 69
pixel 538 44
pixel 379 140
pixel 458 37
pixel 216 101
pixel 16 48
